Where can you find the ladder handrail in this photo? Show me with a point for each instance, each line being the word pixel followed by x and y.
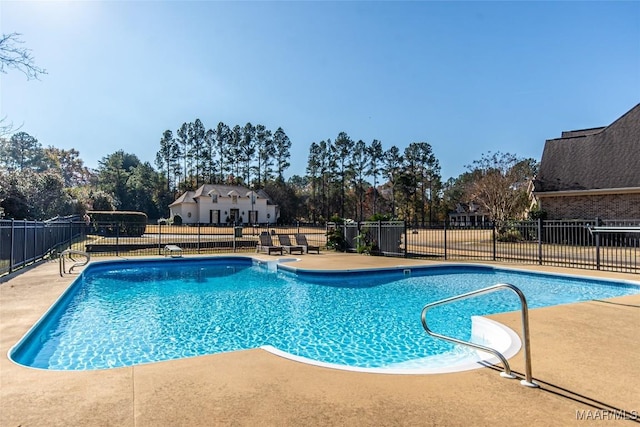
pixel 528 381
pixel 70 253
pixel 613 229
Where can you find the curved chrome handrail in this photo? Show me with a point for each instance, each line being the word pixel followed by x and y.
pixel 70 253
pixel 528 381
pixel 613 229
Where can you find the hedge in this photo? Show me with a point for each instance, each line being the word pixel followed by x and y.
pixel 118 223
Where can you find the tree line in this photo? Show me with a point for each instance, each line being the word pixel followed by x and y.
pixel 360 180
pixel 344 178
pixel 248 155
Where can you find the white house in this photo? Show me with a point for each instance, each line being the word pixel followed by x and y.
pixel 225 204
pixel 469 214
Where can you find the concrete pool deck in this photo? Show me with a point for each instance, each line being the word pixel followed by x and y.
pixel 585 357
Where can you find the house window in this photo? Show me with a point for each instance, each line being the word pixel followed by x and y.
pixel 234 199
pixel 214 198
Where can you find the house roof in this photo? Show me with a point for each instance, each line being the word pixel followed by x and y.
pixel 223 190
pixel 186 197
pixel 598 158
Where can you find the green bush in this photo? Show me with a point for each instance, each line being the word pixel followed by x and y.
pixel 336 240
pixel 509 235
pixel 380 217
pixel 364 243
pixel 118 223
pixel 536 214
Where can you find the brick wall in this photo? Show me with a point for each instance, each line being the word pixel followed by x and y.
pixel 614 206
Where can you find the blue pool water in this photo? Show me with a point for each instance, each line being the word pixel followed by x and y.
pixel 131 312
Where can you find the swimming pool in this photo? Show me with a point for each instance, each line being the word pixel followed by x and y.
pixel 122 313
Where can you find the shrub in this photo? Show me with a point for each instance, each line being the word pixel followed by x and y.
pixel 380 217
pixel 509 233
pixel 536 214
pixel 118 223
pixel 364 244
pixel 336 240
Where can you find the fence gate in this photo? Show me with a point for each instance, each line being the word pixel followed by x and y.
pixel 375 237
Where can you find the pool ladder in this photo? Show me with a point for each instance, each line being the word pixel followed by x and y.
pixel 528 381
pixel 72 255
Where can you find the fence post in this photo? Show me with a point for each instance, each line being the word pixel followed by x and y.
pixel 493 233
pixel 199 236
pixel 597 245
pixel 12 245
pixel 406 242
pixel 539 240
pixel 445 239
pixel 117 239
pixel 344 234
pixel 24 245
pixel 35 241
pixel 160 238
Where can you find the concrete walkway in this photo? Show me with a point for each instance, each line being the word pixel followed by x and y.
pixel 586 358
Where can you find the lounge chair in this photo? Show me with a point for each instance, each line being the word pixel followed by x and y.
pixel 285 242
pixel 301 240
pixel 266 245
pixel 174 251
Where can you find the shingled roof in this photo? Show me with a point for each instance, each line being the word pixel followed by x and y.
pixel 590 159
pixel 223 190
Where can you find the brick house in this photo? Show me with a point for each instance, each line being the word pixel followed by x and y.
pixel 592 173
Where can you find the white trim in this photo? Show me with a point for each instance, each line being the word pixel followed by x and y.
pixel 591 192
pixel 483 330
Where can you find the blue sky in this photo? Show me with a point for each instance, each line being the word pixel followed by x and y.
pixel 466 77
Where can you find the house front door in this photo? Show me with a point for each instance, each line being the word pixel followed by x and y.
pixel 234 215
pixel 214 216
pixel 253 217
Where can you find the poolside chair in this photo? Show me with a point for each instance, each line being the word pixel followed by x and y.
pixel 301 240
pixel 266 245
pixel 285 242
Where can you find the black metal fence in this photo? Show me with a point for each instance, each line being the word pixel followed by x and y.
pixel 598 244
pixel 107 238
pixel 575 243
pixel 25 242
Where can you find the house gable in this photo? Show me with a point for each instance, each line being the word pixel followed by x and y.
pixel 591 159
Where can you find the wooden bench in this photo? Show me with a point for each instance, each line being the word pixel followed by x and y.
pixel 173 250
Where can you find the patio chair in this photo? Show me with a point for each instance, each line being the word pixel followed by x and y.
pixel 301 240
pixel 266 245
pixel 285 242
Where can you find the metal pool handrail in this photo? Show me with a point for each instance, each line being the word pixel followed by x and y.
pixel 613 229
pixel 70 253
pixel 528 381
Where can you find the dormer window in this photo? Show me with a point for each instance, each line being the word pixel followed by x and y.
pixel 214 195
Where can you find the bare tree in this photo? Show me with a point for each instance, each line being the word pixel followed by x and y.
pixel 14 56
pixel 500 184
